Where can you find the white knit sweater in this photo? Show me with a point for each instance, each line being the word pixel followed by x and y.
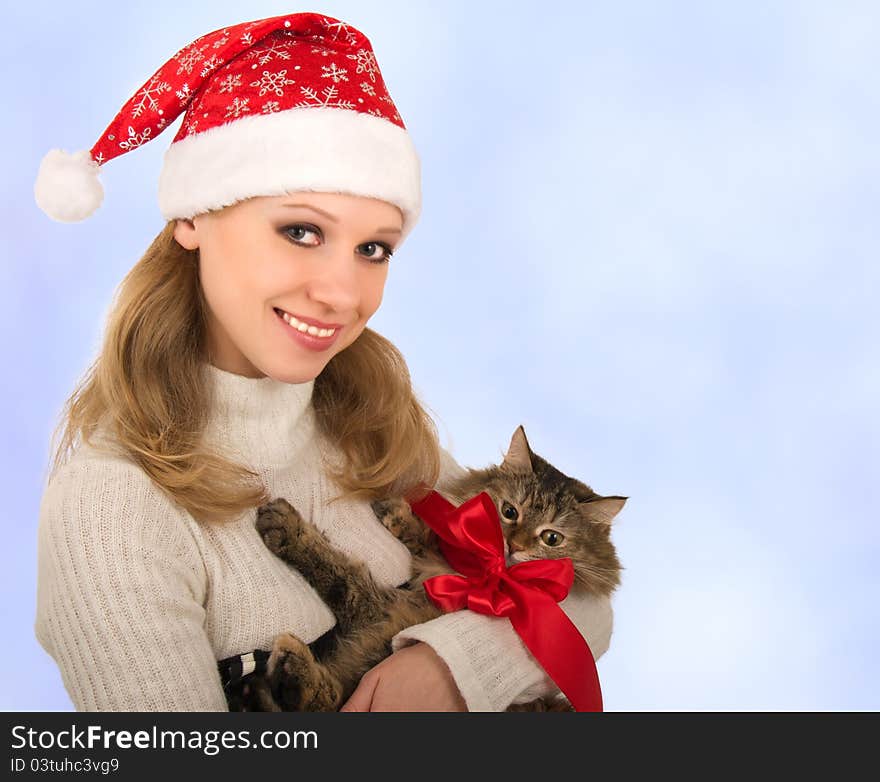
pixel 136 601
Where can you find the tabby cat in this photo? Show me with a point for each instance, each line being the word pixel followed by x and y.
pixel 544 514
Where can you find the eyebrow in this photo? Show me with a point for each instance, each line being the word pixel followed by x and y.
pixel 332 219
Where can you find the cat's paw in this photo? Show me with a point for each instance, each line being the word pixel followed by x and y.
pixel 286 657
pixel 284 671
pixel 395 514
pixel 280 526
pixel 301 682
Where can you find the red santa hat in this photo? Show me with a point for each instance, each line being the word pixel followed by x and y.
pixel 293 102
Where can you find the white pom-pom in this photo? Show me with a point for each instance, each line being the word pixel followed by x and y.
pixel 67 187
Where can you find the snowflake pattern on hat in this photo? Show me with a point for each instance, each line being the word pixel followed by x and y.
pixel 221 82
pixel 255 67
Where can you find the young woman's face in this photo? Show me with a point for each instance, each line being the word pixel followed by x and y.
pixel 321 258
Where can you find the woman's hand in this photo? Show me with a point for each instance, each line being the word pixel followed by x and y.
pixel 414 678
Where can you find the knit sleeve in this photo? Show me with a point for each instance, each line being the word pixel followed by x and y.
pixel 489 662
pixel 120 593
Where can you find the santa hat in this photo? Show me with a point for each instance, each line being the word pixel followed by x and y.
pixel 293 102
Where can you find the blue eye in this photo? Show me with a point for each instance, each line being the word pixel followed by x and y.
pixel 373 247
pixel 298 233
pixel 374 252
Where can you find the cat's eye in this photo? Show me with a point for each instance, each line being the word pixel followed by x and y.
pixel 508 512
pixel 552 537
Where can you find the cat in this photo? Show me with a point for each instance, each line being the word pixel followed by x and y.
pixel 543 513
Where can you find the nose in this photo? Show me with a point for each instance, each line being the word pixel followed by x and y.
pixel 335 283
pixel 515 546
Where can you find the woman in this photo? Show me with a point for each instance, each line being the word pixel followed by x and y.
pixel 237 367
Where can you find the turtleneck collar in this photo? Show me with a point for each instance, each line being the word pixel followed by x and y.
pixel 261 419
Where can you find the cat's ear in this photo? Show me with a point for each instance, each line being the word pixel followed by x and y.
pixel 602 510
pixel 519 456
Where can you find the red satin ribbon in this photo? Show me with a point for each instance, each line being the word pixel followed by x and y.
pixel 527 593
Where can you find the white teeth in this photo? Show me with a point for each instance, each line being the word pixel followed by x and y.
pixel 305 327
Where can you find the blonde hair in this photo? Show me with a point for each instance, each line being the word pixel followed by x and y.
pixel 148 387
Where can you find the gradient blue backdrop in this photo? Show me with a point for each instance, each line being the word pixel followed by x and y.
pixel 650 235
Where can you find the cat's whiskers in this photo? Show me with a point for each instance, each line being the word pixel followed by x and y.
pixel 591 575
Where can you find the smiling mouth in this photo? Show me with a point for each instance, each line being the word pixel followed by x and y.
pixel 305 328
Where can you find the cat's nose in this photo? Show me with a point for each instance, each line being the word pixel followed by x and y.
pixel 514 546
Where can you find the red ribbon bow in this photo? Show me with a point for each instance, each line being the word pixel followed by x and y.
pixel 527 593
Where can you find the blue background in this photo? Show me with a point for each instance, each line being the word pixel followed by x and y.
pixel 650 235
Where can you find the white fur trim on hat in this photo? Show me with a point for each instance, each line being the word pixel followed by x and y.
pixel 319 149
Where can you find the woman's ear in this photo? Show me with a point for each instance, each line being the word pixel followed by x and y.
pixel 185 234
